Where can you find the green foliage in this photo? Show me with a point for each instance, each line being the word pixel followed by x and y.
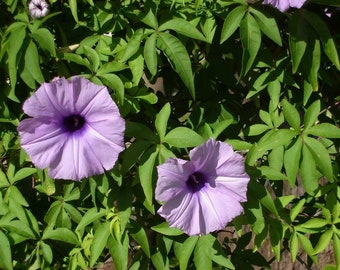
pixel 181 72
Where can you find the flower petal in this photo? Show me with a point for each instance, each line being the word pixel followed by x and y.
pixel 219 207
pixel 184 212
pixel 172 177
pixel 107 140
pixel 77 160
pixel 211 155
pixel 42 141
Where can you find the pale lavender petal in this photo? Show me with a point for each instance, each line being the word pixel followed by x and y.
pixel 184 212
pixel 219 208
pixel 107 140
pixel 42 141
pixel 172 177
pixel 281 5
pixel 205 197
pixel 77 125
pixel 211 155
pixel 296 3
pixel 76 161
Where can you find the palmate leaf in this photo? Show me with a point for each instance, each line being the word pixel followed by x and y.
pixel 325 36
pixel 182 27
pixel 298 39
pixel 251 41
pixel 184 250
pixel 146 173
pixel 99 241
pixel 232 22
pixel 150 53
pixel 291 114
pixel 267 25
pixel 321 156
pixel 178 56
pixel 308 170
pixel 5 253
pixel 45 40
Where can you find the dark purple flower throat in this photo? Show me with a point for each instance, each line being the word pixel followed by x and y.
pixel 73 122
pixel 196 181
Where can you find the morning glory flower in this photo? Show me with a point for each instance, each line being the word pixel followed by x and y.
pixel 75 128
pixel 38 8
pixel 284 5
pixel 204 194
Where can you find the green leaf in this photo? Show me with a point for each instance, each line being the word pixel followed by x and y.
pixel 119 250
pixel 291 160
pixel 232 22
pixel 90 216
pixel 178 56
pixel 116 84
pixel 5 253
pixel 150 53
pixel 74 9
pixel 323 242
pixel 310 62
pixel 32 62
pixel 208 26
pixel 18 227
pixel 93 56
pixel 110 67
pixel 15 44
pixel 271 173
pixel 324 130
pixel 16 195
pixel 45 40
pixel 60 234
pixel 291 115
pixel 311 115
pixel 251 41
pixel 308 171
pixel 322 30
pixel 298 39
pixel 202 259
pixel 99 241
pixel 76 59
pixel 255 129
pixel 321 156
pixel 336 246
pixel 161 121
pixel 136 64
pixel 183 137
pixel 133 153
pixel 182 27
pixel 296 209
pixel 146 173
pixel 294 246
pixel 305 243
pixel 267 25
pixel 184 250
pixel 46 252
pixel 164 228
pixel 138 233
pixel 150 19
pixel 22 174
pixel 133 45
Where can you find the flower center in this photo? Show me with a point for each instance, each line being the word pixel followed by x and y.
pixel 196 181
pixel 74 122
pixel 39 6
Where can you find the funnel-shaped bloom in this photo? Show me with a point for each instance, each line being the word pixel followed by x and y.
pixel 38 8
pixel 75 128
pixel 284 5
pixel 202 195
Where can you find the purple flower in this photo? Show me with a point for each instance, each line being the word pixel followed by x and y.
pixel 284 5
pixel 202 195
pixel 38 8
pixel 76 129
